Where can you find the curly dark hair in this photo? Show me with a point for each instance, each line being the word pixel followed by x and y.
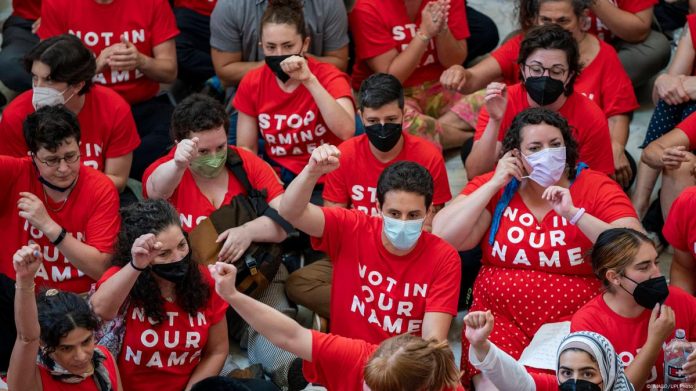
pixel 528 10
pixel 288 12
pixel 197 113
pixel 536 116
pixel 155 216
pixel 59 314
pixel 70 61
pixel 551 37
pixel 49 127
pixel 406 176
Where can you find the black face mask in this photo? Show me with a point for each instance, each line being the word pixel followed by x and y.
pixel 383 137
pixel 54 187
pixel 578 385
pixel 650 292
pixel 174 271
pixel 273 62
pixel 543 90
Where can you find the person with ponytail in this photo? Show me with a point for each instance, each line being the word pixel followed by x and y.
pixel 175 328
pixel 55 347
pixel 403 362
pixel 535 217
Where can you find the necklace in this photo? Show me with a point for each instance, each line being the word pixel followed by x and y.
pixel 48 205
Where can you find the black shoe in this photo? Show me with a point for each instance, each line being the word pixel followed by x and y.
pixel 296 380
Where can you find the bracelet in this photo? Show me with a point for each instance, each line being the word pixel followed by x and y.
pixel 60 237
pixel 422 36
pixel 21 288
pixel 140 269
pixel 577 216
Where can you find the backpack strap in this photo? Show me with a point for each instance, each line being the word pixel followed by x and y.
pixel 234 163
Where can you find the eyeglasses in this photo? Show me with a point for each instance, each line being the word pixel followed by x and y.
pixel 555 72
pixel 54 161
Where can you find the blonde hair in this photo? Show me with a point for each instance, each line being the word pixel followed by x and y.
pixel 407 362
pixel 615 249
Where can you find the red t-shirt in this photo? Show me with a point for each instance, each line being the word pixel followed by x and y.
pixel 338 363
pixel 290 122
pixel 203 7
pixel 355 181
pixel 27 9
pixel 679 229
pixel 51 384
pixel 688 126
pixel 375 294
pixel 628 335
pixel 379 26
pixel 162 356
pixel 193 206
pixel 90 214
pixel 107 128
pixel 603 80
pixel 145 23
pixel 634 6
pixel 590 128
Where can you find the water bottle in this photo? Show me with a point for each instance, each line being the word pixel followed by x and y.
pixel 676 353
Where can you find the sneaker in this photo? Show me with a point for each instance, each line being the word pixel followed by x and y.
pixel 296 380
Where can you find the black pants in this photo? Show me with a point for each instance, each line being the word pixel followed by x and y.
pixel 8 332
pixel 17 40
pixel 193 47
pixel 152 118
pixel 484 34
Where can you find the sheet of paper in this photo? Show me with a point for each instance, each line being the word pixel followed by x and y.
pixel 541 352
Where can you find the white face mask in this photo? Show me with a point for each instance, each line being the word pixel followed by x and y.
pixel 547 166
pixel 47 96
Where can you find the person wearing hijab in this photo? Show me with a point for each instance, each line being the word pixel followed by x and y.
pixel 585 361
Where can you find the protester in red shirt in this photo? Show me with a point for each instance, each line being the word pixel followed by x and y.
pixel 602 79
pixel 636 294
pixel 133 41
pixel 680 232
pixel 416 41
pixel 18 37
pixel 390 277
pixel 175 328
pixel 62 69
pixel 344 364
pixel 585 361
pixel 194 63
pixel 534 217
pixel 296 102
pixel 55 347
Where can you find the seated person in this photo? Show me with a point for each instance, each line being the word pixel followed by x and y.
pixel 193 60
pixel 55 347
pixel 133 41
pixel 672 155
pixel 18 37
pixel 585 360
pixel 484 29
pixel 62 69
pixel 51 199
pixel 602 79
pixel 416 41
pixel 535 218
pixel 175 330
pixel 393 277
pixel 296 103
pixel 626 25
pixel 548 61
pixel 680 232
pixel 354 184
pixel 635 293
pixel 675 94
pixel 403 362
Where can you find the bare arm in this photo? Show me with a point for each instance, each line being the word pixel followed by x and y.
pixel 659 329
pixel 339 114
pixel 338 57
pixel 247 132
pixel 450 51
pixel 483 152
pixel 162 183
pixel 682 272
pixel 652 154
pixel 214 355
pixel 618 131
pixel 229 66
pixel 117 169
pixel 88 259
pixel 436 325
pixel 400 65
pixel 468 81
pixel 161 67
pixel 329 204
pixel 630 27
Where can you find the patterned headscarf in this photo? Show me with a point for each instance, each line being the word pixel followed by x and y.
pixel 100 374
pixel 610 367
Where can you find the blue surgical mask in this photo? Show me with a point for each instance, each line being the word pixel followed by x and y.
pixel 403 234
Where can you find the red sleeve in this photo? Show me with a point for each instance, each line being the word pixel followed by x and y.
pixel 334 81
pixel 260 174
pixel 679 220
pixel 335 357
pixel 457 21
pixel 13 142
pixel 443 295
pixel 123 138
pixel 108 274
pixel 371 33
pixel 506 55
pixel 104 221
pixel 335 188
pixel 339 223
pixel 245 98
pixel 691 21
pixel 585 319
pixel 477 182
pixel 51 19
pixel 635 6
pixel 163 24
pixel 610 201
pixel 441 191
pixel 481 123
pixel 619 97
pixel 9 167
pixel 688 126
pixel 545 381
pixel 594 146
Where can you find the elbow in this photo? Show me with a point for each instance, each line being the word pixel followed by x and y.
pixel 170 77
pixel 650 156
pixel 120 183
pixel 102 309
